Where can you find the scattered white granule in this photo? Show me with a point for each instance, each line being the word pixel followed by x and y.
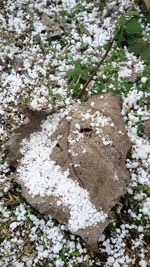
pixel 127 69
pixel 92 104
pixel 19 264
pixel 1 111
pixel 69 4
pixel 59 203
pixel 146 207
pixel 97 119
pixel 59 263
pixel 68 118
pixel 139 66
pixel 20 213
pixel 116 264
pixel 17 23
pixel 144 79
pixel 116 178
pixel 86 116
pixel 84 150
pixel 97 122
pixel 125 72
pixel 77 125
pixel 143 263
pixel 14 225
pixel 44 177
pixel 131 100
pixel 38 27
pixel 106 141
pixel 101 120
pixel 12 86
pixel 120 132
pixel 76 165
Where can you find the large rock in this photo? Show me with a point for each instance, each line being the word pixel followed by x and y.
pixel 92 144
pixel 30 125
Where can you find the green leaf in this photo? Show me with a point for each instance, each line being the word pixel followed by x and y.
pixel 146 72
pixel 141 48
pixel 131 40
pixel 75 253
pixel 84 75
pixel 62 255
pixel 138 46
pixel 37 39
pixel 120 37
pixel 133 26
pixel 145 55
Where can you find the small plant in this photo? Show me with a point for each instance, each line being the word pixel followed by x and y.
pixel 128 30
pixel 146 73
pixel 81 29
pixel 147 236
pixel 54 97
pixel 101 5
pixel 37 39
pixel 77 76
pixel 69 15
pixel 108 80
pixel 128 33
pixel 4 154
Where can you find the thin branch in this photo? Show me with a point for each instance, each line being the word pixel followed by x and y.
pixel 94 72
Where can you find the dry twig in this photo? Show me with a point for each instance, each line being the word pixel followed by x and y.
pixel 90 78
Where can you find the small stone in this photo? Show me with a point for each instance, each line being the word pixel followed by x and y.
pixel 18 63
pixel 47 21
pixel 54 28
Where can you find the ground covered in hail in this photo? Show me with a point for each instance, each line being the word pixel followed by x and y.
pixel 47 51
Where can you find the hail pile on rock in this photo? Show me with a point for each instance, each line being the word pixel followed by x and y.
pixel 74 166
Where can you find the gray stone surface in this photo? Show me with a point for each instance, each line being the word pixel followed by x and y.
pixel 31 124
pixel 147 128
pixel 147 3
pixel 95 156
